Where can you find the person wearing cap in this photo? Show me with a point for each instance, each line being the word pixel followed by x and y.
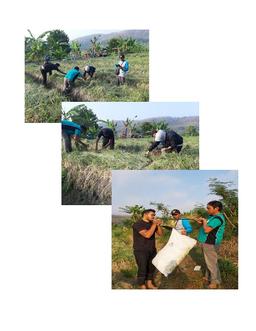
pixel 71 130
pixel 122 69
pixel 48 68
pixel 183 225
pixel 89 71
pixel 166 141
pixel 70 78
pixel 108 137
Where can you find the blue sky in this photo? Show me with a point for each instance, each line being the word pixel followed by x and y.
pixel 181 189
pixel 72 33
pixel 122 110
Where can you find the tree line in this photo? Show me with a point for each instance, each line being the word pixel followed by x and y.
pixel 57 45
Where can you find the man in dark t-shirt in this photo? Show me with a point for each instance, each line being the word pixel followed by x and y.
pixel 144 247
pixel 47 68
pixel 108 137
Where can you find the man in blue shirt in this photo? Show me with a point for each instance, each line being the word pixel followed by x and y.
pixel 70 78
pixel 71 130
pixel 210 237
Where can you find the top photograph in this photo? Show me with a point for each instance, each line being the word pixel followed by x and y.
pixel 83 66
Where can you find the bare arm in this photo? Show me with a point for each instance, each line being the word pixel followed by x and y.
pixel 203 222
pixel 148 233
pixel 159 231
pixel 64 73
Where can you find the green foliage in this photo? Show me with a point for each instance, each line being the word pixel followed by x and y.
pixel 147 127
pixel 75 49
pixel 164 209
pixel 191 130
pixel 95 47
pixel 83 115
pixel 58 44
pixel 134 211
pixel 229 273
pixel 124 45
pixel 35 48
pixel 228 195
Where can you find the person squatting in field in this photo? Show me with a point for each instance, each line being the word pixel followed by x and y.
pixel 122 69
pixel 70 78
pixel 71 130
pixel 144 247
pixel 108 138
pixel 166 141
pixel 89 71
pixel 48 68
pixel 210 237
pixel 182 224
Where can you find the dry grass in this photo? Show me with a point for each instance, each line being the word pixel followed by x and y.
pixel 86 185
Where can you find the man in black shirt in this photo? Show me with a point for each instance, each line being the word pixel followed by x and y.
pixel 89 71
pixel 144 247
pixel 108 137
pixel 47 68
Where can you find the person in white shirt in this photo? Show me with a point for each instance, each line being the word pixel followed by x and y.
pixel 166 141
pixel 121 70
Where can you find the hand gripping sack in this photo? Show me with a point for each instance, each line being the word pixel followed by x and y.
pixel 171 255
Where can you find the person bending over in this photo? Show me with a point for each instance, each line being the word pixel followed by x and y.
pixel 108 138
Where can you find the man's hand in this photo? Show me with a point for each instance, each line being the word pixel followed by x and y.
pixel 157 221
pixel 201 220
pixel 183 232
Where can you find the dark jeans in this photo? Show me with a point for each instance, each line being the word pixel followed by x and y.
pixel 67 142
pixel 105 141
pixel 120 80
pixel 145 267
pixel 44 74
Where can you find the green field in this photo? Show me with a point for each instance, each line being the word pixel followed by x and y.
pixel 124 268
pixel 86 175
pixel 44 104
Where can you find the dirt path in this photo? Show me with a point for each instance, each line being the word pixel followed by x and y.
pixel 183 277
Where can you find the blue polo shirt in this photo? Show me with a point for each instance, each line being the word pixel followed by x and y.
pixel 73 74
pixel 71 128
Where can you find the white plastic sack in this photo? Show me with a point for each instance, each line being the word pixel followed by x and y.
pixel 171 255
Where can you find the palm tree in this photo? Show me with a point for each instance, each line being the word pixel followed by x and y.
pixel 135 211
pixel 35 48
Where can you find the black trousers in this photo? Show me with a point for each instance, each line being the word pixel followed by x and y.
pixel 67 142
pixel 105 141
pixel 44 74
pixel 146 269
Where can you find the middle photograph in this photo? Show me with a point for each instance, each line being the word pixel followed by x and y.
pixel 103 136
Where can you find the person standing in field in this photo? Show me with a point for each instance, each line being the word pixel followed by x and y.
pixel 122 69
pixel 71 130
pixel 70 78
pixel 183 225
pixel 89 71
pixel 210 237
pixel 144 247
pixel 166 141
pixel 48 68
pixel 108 138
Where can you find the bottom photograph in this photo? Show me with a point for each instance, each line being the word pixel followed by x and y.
pixel 175 229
